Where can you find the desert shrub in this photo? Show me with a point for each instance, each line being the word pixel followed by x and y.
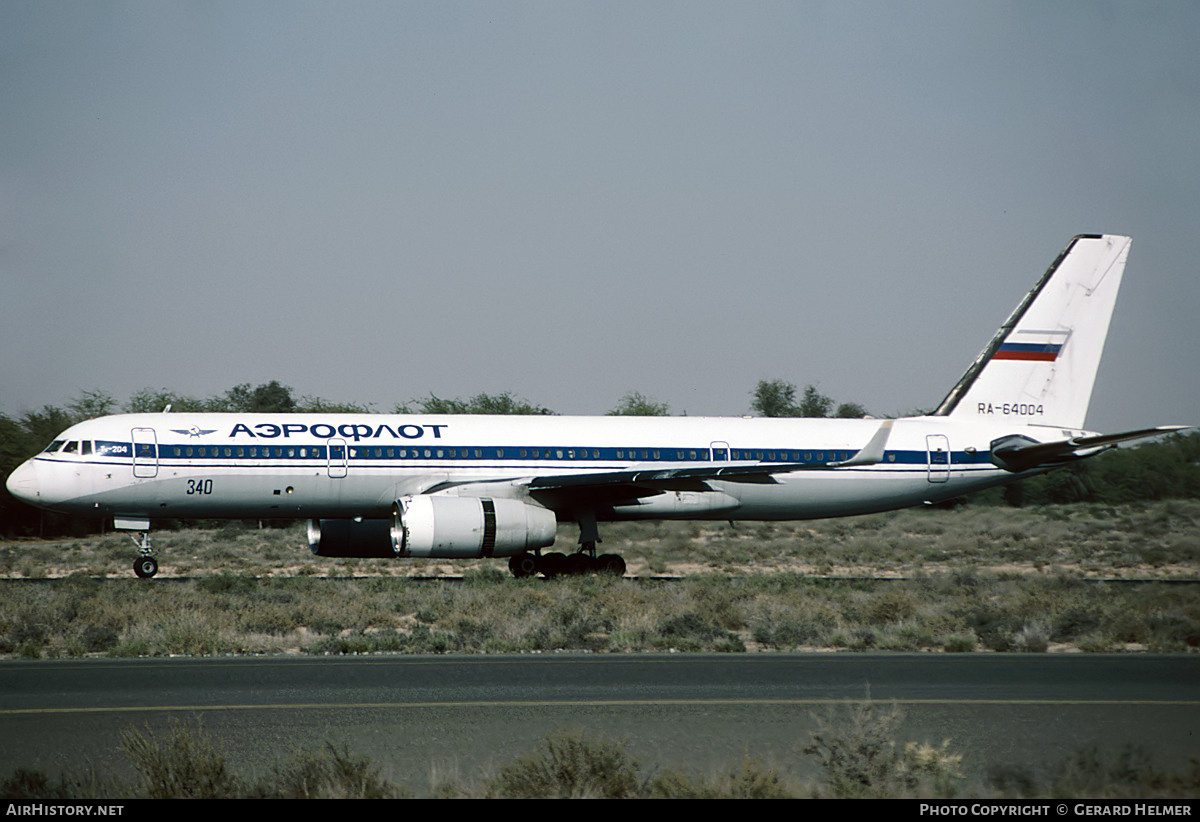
pixel 334 773
pixel 570 765
pixel 961 643
pixel 184 765
pixel 26 783
pixel 858 753
pixel 1128 773
pixel 892 605
pixel 226 582
pixel 1034 638
pixel 754 779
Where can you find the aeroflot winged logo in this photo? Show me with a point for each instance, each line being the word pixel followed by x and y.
pixel 194 431
pixel 1033 346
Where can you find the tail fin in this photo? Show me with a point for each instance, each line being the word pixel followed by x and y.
pixel 1041 365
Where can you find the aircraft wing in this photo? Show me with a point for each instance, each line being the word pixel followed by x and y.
pixel 1018 453
pixel 669 478
pixel 629 485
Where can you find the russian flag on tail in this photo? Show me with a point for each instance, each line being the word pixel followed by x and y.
pixel 1032 346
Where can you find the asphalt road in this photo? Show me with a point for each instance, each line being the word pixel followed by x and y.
pixel 419 718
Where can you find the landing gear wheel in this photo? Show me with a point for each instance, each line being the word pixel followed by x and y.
pixel 552 564
pixel 523 565
pixel 611 564
pixel 578 564
pixel 145 567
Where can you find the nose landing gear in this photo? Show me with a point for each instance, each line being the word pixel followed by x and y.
pixel 145 566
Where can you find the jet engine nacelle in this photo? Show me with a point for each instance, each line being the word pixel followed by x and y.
pixel 351 538
pixel 441 526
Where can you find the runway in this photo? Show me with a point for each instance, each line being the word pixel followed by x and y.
pixel 417 717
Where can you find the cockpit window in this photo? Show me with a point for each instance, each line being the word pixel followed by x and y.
pixel 54 446
pixel 71 448
pixel 86 447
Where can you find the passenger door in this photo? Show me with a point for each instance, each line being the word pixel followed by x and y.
pixel 145 453
pixel 937 448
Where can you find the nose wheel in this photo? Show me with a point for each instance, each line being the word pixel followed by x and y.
pixel 145 566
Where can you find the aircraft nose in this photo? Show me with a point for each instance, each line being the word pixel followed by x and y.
pixel 23 483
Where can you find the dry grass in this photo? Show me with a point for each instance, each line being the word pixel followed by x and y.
pixel 1144 541
pixel 857 750
pixel 980 578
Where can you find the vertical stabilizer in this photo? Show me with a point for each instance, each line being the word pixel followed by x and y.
pixel 1040 367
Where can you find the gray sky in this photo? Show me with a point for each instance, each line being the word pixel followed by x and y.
pixel 374 201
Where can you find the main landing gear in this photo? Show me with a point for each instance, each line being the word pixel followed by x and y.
pixel 556 564
pixel 145 566
pixel 583 561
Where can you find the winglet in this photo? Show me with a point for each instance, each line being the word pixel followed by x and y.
pixel 872 452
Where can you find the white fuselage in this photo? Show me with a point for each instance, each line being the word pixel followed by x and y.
pixel 358 465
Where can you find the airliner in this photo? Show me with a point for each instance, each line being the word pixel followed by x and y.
pixel 451 486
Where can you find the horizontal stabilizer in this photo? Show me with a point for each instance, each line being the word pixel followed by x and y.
pixel 1017 453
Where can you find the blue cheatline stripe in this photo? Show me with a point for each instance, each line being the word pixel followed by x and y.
pixel 236 455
